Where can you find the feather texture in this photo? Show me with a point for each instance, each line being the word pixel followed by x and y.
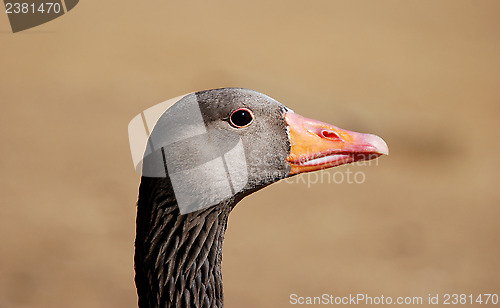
pixel 177 257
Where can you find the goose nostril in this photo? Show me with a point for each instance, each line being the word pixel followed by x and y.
pixel 329 134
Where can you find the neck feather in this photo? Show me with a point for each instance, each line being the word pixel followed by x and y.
pixel 177 257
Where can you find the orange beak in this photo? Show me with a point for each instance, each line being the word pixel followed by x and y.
pixel 317 145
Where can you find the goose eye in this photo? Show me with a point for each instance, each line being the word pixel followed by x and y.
pixel 241 117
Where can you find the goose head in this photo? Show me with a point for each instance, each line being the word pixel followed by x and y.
pixel 206 152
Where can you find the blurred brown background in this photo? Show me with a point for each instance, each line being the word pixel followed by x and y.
pixel 424 75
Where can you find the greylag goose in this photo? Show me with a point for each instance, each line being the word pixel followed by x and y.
pixel 206 152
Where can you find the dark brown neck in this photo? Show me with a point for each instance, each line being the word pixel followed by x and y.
pixel 177 257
